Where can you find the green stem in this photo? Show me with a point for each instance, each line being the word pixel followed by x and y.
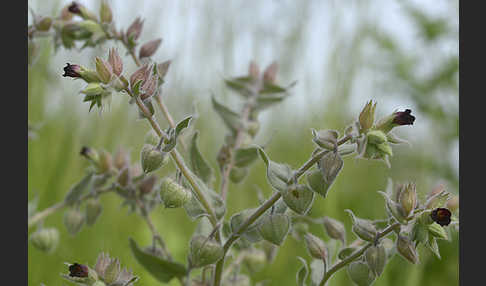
pixel 355 255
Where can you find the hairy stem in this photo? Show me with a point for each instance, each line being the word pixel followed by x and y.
pixel 261 210
pixel 355 255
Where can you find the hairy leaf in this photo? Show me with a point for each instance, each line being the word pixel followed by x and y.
pixel 198 164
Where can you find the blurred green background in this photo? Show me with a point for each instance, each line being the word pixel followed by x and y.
pixel 403 54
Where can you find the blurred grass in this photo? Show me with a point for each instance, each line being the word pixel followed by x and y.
pixel 54 164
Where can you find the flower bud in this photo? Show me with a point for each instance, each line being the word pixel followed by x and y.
pixel 274 228
pixel 394 209
pixel 326 139
pixel 204 251
pixel 270 73
pixel 395 119
pixel 149 48
pixel 360 273
pixel 104 70
pixel 367 116
pixel 105 162
pixel 162 70
pixel 93 88
pixel 363 228
pixel 140 74
pixel 151 158
pixel 147 185
pixel 408 199
pixel 173 195
pixel 376 137
pixel 112 272
pixel 45 239
pixel 315 246
pixel 437 231
pixel 44 24
pixel 442 216
pixel 253 70
pixel 93 210
pixel 255 260
pixel 124 177
pixel 115 62
pixel 299 198
pixel 106 16
pixel 135 29
pixel 376 257
pixel 406 249
pixel 73 220
pixel 335 229
pixel 122 159
pixel 438 200
pixel 453 203
pixel 238 174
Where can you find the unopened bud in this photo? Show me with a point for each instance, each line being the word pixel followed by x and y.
pixel 105 162
pixel 253 70
pixel 106 16
pixel 135 29
pixel 204 251
pixel 151 158
pixel 162 70
pixel 438 200
pixel 367 116
pixel 394 209
pixel 363 228
pixel 376 258
pixel 45 239
pixel 115 61
pixel 122 159
pixel 104 70
pixel 408 199
pixel 73 220
pixel 406 249
pixel 149 48
pixel 93 210
pixel 274 228
pixel 44 24
pixel 93 88
pixel 147 185
pixel 112 271
pixel 315 247
pixel 149 86
pixel 395 119
pixel 453 203
pixel 124 177
pixel 335 229
pixel 140 74
pixel 360 273
pixel 174 195
pixel 270 73
pixel 376 137
pixel 441 216
pixel 326 139
pixel 299 198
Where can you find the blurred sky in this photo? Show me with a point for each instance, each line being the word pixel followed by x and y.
pixel 209 40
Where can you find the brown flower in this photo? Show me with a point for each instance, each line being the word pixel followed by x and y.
pixel 72 70
pixel 74 8
pixel 441 216
pixel 78 270
pixel 404 117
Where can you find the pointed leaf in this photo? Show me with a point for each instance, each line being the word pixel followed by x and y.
pixel 198 164
pixel 79 189
pixel 173 133
pixel 161 269
pixel 230 118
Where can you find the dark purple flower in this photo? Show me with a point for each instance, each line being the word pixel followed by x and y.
pixel 404 117
pixel 441 216
pixel 72 70
pixel 74 8
pixel 78 270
